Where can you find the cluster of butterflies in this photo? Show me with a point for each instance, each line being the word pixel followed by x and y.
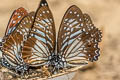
pixel 30 40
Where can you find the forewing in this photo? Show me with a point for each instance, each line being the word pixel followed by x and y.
pixel 11 45
pixel 16 17
pixel 78 37
pixel 41 42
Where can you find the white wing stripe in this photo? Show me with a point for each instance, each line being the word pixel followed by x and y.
pixel 40 38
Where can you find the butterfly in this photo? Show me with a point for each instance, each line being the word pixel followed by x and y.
pixel 33 42
pixel 16 33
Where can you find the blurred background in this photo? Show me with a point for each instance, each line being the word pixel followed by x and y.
pixel 105 15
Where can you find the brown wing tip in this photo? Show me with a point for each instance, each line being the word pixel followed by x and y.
pixel 43 3
pixel 74 6
pixel 21 8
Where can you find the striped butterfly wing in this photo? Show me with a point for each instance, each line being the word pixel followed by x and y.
pixel 78 38
pixel 16 17
pixel 11 47
pixel 41 42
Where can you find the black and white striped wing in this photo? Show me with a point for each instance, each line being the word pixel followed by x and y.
pixel 11 45
pixel 78 38
pixel 41 41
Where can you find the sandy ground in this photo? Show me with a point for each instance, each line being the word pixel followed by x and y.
pixel 104 13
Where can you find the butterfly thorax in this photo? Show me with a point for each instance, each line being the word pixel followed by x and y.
pixel 57 62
